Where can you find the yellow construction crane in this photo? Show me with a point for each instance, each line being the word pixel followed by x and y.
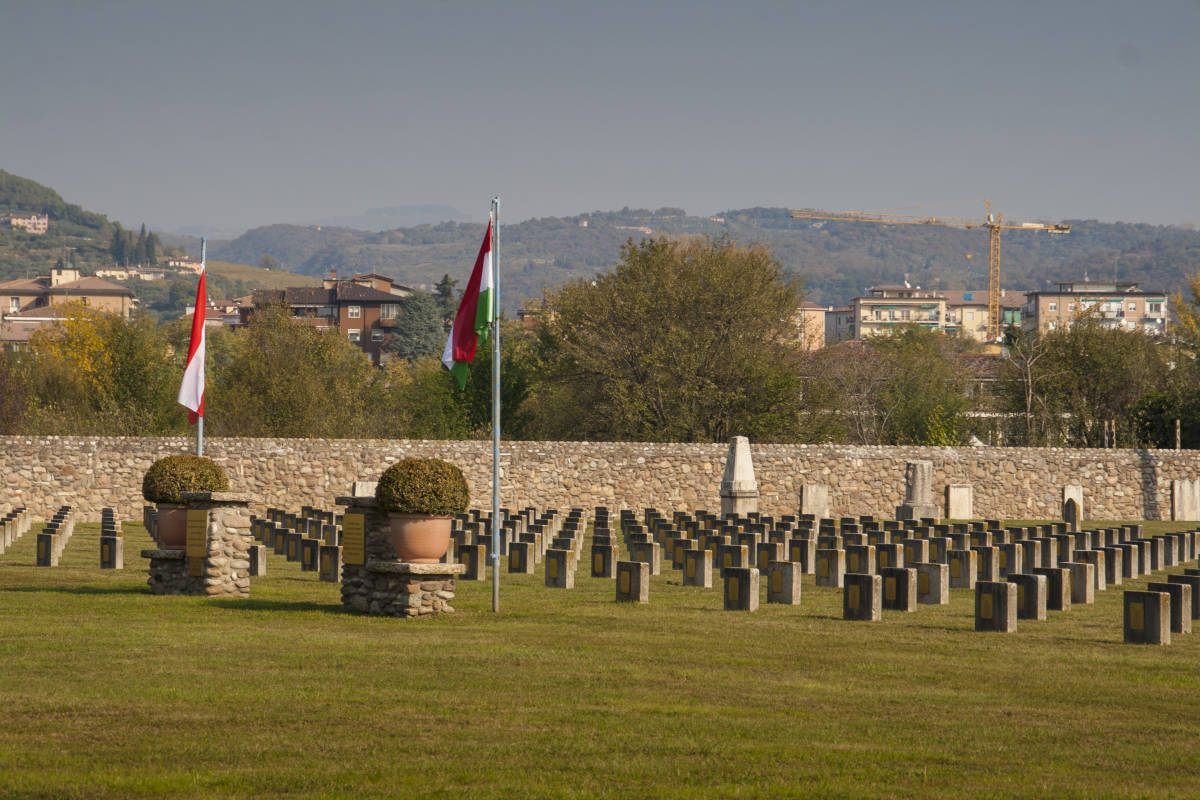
pixel 993 222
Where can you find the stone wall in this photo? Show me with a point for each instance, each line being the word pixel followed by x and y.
pixel 45 473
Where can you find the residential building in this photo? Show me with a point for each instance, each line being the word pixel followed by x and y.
pixel 30 223
pixel 1115 304
pixel 362 313
pixel 129 273
pixel 886 308
pixel 185 264
pixel 810 320
pixel 27 304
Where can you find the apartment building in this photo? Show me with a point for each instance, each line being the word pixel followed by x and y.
pixel 1115 304
pixel 30 223
pixel 27 304
pixel 886 308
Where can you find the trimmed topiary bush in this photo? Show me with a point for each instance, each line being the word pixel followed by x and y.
pixel 168 478
pixel 423 486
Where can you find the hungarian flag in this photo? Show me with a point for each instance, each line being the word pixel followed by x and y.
pixel 475 313
pixel 191 391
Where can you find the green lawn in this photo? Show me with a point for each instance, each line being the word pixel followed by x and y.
pixel 109 692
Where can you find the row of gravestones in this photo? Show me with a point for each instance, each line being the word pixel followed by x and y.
pixel 312 538
pixel 524 539
pixel 53 538
pixel 13 526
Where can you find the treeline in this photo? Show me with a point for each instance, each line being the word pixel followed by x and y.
pixel 689 340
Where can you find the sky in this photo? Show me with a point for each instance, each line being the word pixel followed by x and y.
pixel 229 115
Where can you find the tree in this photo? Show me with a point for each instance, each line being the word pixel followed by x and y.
pixel 447 301
pixel 684 340
pixel 283 378
pixel 419 332
pixel 268 261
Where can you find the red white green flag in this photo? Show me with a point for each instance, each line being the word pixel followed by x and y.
pixel 191 390
pixel 475 314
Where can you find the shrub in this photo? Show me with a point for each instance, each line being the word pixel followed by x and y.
pixel 168 478
pixel 423 486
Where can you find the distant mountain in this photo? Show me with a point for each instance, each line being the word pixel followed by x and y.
pixel 384 219
pixel 836 260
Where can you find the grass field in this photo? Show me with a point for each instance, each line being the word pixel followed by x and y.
pixel 109 692
pixel 262 278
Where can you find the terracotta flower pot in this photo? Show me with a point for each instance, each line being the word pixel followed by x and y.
pixel 172 526
pixel 419 538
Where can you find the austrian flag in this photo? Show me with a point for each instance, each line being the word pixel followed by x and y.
pixel 475 314
pixel 191 391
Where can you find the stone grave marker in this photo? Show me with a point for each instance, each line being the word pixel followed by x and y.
pixel 1031 595
pixel 804 553
pixel 1194 582
pixel 1058 587
pixel 960 501
pixel 1181 603
pixel 783 583
pixel 899 588
pixel 112 552
pixel 933 584
pixel 831 566
pixel 860 558
pixel 329 562
pixel 1147 617
pixel 650 553
pixel 697 568
pixel 741 589
pixel 964 568
pixel 1083 581
pixel 996 606
pixel 560 568
pixel 604 560
pixel 520 558
pixel 633 582
pixel 918 492
pixel 1096 559
pixel 888 556
pixel 863 597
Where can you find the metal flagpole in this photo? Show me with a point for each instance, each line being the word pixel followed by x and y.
pixel 495 404
pixel 204 312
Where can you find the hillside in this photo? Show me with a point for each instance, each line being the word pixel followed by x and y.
pixel 837 260
pixel 82 235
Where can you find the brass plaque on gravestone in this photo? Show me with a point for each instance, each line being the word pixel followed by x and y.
pixel 734 589
pixel 889 589
pixel 985 605
pixel 776 581
pixel 954 569
pixel 852 597
pixel 354 539
pixel 1137 616
pixel 197 541
pixel 598 562
pixel 552 569
pixel 623 583
pixel 923 583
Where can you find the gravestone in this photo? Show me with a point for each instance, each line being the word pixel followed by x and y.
pixel 1096 559
pixel 112 552
pixel 604 560
pixel 697 568
pixel 741 589
pixel 257 556
pixel 1072 507
pixel 310 554
pixel 899 588
pixel 996 606
pixel 768 552
pixel 933 584
pixel 960 501
pixel 889 555
pixel 1031 595
pixel 633 582
pixel 1114 557
pixel 1194 582
pixel 831 567
pixel 916 551
pixel 918 492
pixel 863 598
pixel 649 553
pixel 987 564
pixel 804 553
pixel 329 558
pixel 964 568
pixel 1181 603
pixel 560 569
pixel 783 583
pixel 1147 617
pixel 1083 581
pixel 739 489
pixel 860 558
pixel 520 558
pixel 1058 587
pixel 814 499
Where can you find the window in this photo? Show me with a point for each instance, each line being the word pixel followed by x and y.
pixel 970 318
pixel 1052 325
pixel 389 311
pixel 1053 306
pixel 355 334
pixel 1154 308
pixel 376 335
pixel 905 314
pixel 1070 306
pixel 353 312
pixel 14 305
pixel 1133 306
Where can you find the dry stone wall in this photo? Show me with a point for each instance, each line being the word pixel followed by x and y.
pixel 90 473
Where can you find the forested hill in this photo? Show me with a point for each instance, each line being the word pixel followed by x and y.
pixel 87 234
pixel 837 260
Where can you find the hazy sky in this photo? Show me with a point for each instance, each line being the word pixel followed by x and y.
pixel 236 114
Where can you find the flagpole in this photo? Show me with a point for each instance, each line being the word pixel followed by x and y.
pixel 204 313
pixel 495 215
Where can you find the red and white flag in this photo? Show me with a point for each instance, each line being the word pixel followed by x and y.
pixel 191 391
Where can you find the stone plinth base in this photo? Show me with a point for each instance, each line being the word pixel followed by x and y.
pixel 917 511
pixel 219 565
pixel 399 589
pixel 169 573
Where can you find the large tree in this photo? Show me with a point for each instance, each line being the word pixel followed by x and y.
pixel 684 340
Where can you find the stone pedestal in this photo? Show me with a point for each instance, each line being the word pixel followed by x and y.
pixel 216 560
pixel 1072 507
pixel 633 582
pixel 918 492
pixel 741 589
pixel 933 584
pixel 960 501
pixel 374 579
pixel 783 583
pixel 1147 618
pixel 697 568
pixel 863 598
pixel 112 552
pixel 739 489
pixel 996 606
